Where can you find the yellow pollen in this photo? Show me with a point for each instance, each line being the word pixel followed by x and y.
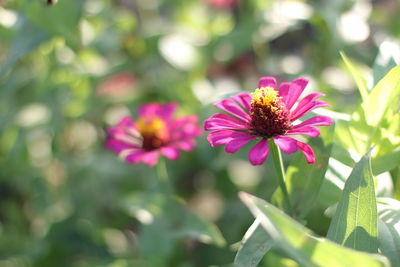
pixel 266 96
pixel 150 126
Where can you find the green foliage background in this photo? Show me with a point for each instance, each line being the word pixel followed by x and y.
pixel 67 201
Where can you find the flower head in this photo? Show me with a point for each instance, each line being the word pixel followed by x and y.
pixel 267 113
pixel 222 3
pixel 155 133
pixel 119 86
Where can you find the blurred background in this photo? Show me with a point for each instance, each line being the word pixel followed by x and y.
pixel 71 69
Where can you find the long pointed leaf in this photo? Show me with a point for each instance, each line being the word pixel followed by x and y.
pixel 389 229
pixel 355 221
pixel 256 242
pixel 360 81
pixel 301 244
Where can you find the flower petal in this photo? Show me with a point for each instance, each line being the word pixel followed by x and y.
pixel 303 109
pixel 236 143
pixel 164 111
pixel 132 156
pixel 186 145
pixel 117 145
pixel 267 82
pixel 296 88
pixel 286 144
pixel 170 152
pixel 306 130
pixel 259 152
pixel 315 121
pixel 221 121
pixel 284 90
pixel 221 137
pixel 124 124
pixel 307 151
pixel 150 158
pixel 232 107
pixel 243 99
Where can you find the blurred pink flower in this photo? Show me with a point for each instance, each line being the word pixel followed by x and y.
pixel 269 112
pixel 222 3
pixel 155 133
pixel 118 86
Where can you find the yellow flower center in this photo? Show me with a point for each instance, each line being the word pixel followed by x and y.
pixel 150 125
pixel 269 116
pixel 153 130
pixel 265 96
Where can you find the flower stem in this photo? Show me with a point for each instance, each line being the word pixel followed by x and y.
pixel 276 154
pixel 163 179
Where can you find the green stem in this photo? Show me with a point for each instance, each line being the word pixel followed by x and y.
pixel 276 154
pixel 163 179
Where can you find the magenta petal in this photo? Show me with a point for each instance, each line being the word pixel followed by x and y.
pixel 134 156
pixel 116 145
pixel 307 151
pixel 221 121
pixel 267 82
pixel 150 158
pixel 308 99
pixel 306 130
pixel 243 99
pixel 170 152
pixel 284 90
pixel 180 122
pixel 186 145
pixel 156 109
pixel 305 108
pixel 259 152
pixel 296 88
pixel 232 107
pixel 126 121
pixel 286 144
pixel 315 121
pixel 221 137
pixel 235 144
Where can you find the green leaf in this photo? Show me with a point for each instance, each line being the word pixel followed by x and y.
pixel 255 243
pixel 27 38
pixel 171 212
pixel 360 81
pixel 301 244
pixel 386 92
pixel 304 180
pixel 386 162
pixel 385 60
pixel 389 229
pixel 59 20
pixel 202 230
pixel 355 221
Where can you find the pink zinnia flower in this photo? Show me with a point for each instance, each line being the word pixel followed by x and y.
pixel 155 133
pixel 267 113
pixel 118 87
pixel 222 3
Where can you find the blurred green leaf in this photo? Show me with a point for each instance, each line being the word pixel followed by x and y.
pixel 386 162
pixel 381 98
pixel 204 231
pixel 375 122
pixel 60 20
pixel 355 221
pixel 255 243
pixel 360 81
pixel 389 229
pixel 27 38
pixel 385 59
pixel 301 244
